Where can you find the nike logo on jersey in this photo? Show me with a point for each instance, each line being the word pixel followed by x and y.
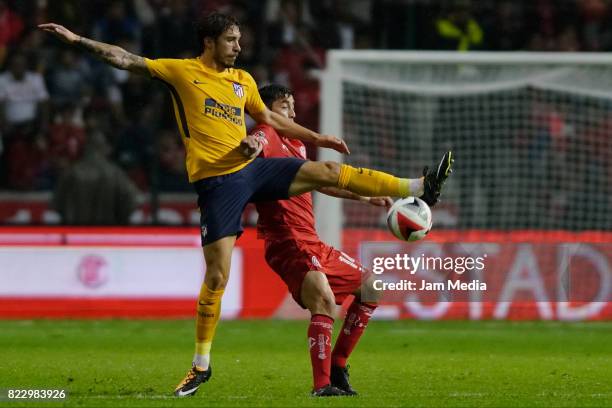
pixel 195 81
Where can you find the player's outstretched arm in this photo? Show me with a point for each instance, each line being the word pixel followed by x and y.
pixel 340 193
pixel 292 130
pixel 111 54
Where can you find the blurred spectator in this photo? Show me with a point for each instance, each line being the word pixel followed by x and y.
pixel 508 31
pixel 596 30
pixel 26 166
pixel 172 172
pixel 134 148
pixel 547 19
pixel 176 37
pixel 38 52
pixel 249 54
pixel 329 24
pixel 23 125
pixel 284 29
pixel 336 23
pixel 391 30
pixel 66 138
pixel 11 26
pixel 568 40
pixel 261 74
pixel 72 13
pixel 208 6
pixel 117 26
pixel 107 95
pixel 596 170
pixel 23 96
pixel 68 80
pixel 146 13
pixel 295 66
pixel 94 191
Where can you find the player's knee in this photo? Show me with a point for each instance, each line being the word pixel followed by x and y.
pixel 317 296
pixel 322 303
pixel 216 282
pixel 367 293
pixel 323 174
pixel 217 275
pixel 331 172
pixel 327 303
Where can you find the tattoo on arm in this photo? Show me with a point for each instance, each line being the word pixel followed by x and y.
pixel 115 56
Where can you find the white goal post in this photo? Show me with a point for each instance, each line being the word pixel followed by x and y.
pixel 534 125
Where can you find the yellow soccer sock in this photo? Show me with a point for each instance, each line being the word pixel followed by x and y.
pixel 209 312
pixel 373 183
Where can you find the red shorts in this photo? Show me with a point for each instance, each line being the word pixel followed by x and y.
pixel 292 260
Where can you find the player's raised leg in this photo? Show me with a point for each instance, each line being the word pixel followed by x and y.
pixel 371 183
pixel 318 298
pixel 365 182
pixel 218 255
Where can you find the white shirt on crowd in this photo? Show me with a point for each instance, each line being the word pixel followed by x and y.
pixel 21 98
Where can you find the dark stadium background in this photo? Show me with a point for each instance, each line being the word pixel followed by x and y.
pixel 102 303
pixel 283 41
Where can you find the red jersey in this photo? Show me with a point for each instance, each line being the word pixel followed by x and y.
pixel 284 219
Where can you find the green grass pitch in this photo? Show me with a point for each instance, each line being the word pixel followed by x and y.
pixel 122 363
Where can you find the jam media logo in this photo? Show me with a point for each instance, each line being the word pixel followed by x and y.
pixel 238 89
pixel 91 271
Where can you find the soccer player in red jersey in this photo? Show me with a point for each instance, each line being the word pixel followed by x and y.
pixel 317 275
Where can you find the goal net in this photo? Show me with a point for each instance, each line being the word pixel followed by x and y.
pixel 531 132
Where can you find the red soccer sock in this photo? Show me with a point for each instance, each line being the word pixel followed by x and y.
pixel 319 343
pixel 355 323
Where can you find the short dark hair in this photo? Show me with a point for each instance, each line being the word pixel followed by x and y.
pixel 213 25
pixel 271 93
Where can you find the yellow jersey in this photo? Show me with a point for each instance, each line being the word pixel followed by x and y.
pixel 209 108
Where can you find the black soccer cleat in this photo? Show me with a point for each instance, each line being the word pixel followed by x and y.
pixel 340 379
pixel 192 381
pixel 434 180
pixel 328 391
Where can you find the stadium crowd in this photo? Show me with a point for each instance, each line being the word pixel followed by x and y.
pixel 53 99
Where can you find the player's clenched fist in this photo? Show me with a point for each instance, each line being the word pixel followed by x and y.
pixel 251 146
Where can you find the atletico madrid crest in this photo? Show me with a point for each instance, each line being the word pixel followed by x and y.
pixel 238 90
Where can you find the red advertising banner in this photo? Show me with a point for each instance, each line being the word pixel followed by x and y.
pixel 56 272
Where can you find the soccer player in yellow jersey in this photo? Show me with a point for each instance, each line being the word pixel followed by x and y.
pixel 210 97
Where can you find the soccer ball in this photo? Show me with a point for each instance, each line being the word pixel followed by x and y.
pixel 409 219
